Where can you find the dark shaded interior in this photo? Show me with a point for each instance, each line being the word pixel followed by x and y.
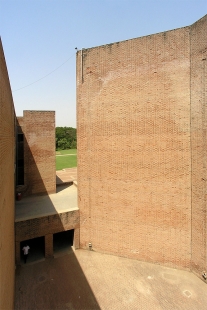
pixel 37 249
pixel 20 159
pixel 63 241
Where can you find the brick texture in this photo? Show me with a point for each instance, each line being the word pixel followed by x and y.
pixel 47 226
pixel 38 128
pixel 134 104
pixel 42 226
pixel 49 245
pixel 199 142
pixel 7 168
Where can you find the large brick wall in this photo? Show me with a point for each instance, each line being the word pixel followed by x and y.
pixel 199 143
pixel 134 147
pixel 134 142
pixel 7 155
pixel 38 128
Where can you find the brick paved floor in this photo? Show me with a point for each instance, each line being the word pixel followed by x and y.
pixel 90 280
pixel 66 175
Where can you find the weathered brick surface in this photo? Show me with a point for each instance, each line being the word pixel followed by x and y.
pixel 7 168
pixel 49 245
pixel 39 151
pixel 76 239
pixel 47 226
pixel 134 147
pixel 42 226
pixel 199 143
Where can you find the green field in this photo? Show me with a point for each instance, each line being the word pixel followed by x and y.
pixel 63 152
pixel 67 160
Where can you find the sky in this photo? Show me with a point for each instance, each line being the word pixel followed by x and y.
pixel 40 36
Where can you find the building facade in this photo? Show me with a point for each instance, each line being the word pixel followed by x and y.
pixel 141 108
pixel 28 174
pixel 36 153
pixel 142 147
pixel 7 185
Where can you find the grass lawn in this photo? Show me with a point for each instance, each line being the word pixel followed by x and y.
pixel 66 161
pixel 63 152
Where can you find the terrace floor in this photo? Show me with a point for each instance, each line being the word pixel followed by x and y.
pixel 65 199
pixel 87 280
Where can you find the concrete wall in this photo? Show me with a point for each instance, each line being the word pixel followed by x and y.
pixel 199 144
pixel 7 170
pixel 38 128
pixel 134 102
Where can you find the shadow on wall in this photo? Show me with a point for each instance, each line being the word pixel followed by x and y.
pixel 29 179
pixel 36 215
pixel 58 283
pixel 58 180
pixel 33 192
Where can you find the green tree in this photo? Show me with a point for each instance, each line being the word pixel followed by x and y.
pixel 73 144
pixel 65 138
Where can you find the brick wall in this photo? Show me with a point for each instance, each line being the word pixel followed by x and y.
pixel 199 142
pixel 51 224
pixel 7 153
pixel 39 151
pixel 47 226
pixel 134 163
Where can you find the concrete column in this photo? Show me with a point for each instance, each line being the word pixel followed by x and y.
pixel 17 253
pixel 76 238
pixel 49 246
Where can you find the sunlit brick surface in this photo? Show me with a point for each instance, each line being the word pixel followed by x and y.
pixel 199 143
pixel 134 147
pixel 7 170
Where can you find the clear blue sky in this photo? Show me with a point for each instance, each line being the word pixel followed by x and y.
pixel 40 35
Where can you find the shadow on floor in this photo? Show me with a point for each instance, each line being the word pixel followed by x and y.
pixel 54 284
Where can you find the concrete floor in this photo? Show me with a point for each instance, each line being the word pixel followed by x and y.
pixel 89 280
pixel 37 206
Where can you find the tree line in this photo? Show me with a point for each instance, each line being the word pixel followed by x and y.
pixel 65 138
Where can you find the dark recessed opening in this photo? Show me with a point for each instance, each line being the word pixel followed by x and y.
pixel 37 249
pixel 20 163
pixel 20 160
pixel 20 137
pixel 63 241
